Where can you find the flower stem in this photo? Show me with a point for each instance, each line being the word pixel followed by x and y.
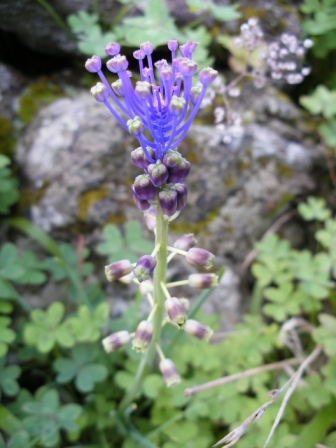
pixel 159 298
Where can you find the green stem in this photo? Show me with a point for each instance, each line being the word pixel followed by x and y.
pixel 159 298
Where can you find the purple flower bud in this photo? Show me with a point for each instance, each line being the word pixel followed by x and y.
pixel 176 311
pixel 187 67
pixel 116 341
pixel 185 242
pixel 162 63
pixel 169 372
pixel 118 269
pixel 179 173
pixel 203 281
pixel 142 204
pixel 201 258
pixel 207 75
pixel 146 72
pixel 93 64
pixel 143 336
pixel 118 87
pixel 112 49
pixel 99 91
pixel 158 173
pixel 150 218
pixel 166 74
pixel 139 54
pixel 135 126
pixel 172 45
pixel 139 158
pixel 147 48
pixel 177 105
pixel 198 330
pixel 172 158
pixel 142 89
pixel 168 201
pixel 117 64
pixel 182 196
pixel 144 188
pixel 144 267
pixel 190 46
pixel 195 94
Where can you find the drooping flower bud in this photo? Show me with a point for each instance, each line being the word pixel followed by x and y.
pixel 116 340
pixel 144 188
pixel 150 218
pixel 172 158
pixel 201 258
pixel 99 91
pixel 195 94
pixel 158 173
pixel 169 372
pixel 144 267
pixel 185 242
pixel 139 158
pixel 142 204
pixel 112 49
pixel 203 281
pixel 176 311
pixel 177 105
pixel 118 87
pixel 207 75
pixel 118 269
pixel 117 64
pixel 180 172
pixel 135 126
pixel 182 196
pixel 198 330
pixel 168 201
pixel 147 48
pixel 143 336
pixel 93 64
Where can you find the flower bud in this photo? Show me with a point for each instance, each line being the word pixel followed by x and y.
pixel 158 173
pixel 118 87
pixel 150 218
pixel 146 72
pixel 118 269
pixel 142 89
pixel 147 48
pixel 172 45
pixel 135 125
pixel 93 64
pixel 198 330
pixel 185 242
pixel 182 196
pixel 179 173
pixel 112 49
pixel 166 73
pixel 195 94
pixel 139 158
pixel 169 372
pixel 172 158
pixel 168 201
pixel 201 258
pixel 187 67
pixel 139 54
pixel 203 281
pixel 190 46
pixel 207 75
pixel 142 204
pixel 116 341
pixel 162 63
pixel 99 91
pixel 177 105
pixel 144 188
pixel 143 336
pixel 117 64
pixel 176 311
pixel 144 267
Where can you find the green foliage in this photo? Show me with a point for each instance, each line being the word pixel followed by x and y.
pixel 6 335
pixel 130 245
pixel 8 375
pixel 222 13
pixel 321 101
pixel 9 193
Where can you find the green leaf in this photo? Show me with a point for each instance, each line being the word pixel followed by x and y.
pixel 321 101
pixel 152 385
pixel 314 208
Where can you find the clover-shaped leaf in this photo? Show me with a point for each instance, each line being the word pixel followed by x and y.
pixel 314 209
pixel 325 334
pixel 6 335
pixel 321 101
pixel 8 376
pixel 69 258
pixel 80 368
pixel 47 417
pixel 86 326
pixel 46 329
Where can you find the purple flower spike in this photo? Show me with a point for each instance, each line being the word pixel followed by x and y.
pixel 182 196
pixel 93 64
pixel 144 188
pixel 168 201
pixel 158 173
pixel 142 204
pixel 180 172
pixel 117 64
pixel 144 267
pixel 112 49
pixel 207 75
